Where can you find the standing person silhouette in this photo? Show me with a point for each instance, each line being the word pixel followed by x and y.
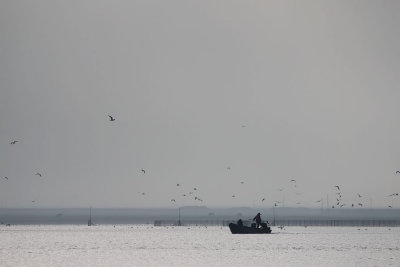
pixel 257 219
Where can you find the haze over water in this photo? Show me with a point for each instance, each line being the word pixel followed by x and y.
pixel 115 103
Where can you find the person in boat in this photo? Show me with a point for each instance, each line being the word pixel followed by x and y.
pixel 240 222
pixel 257 219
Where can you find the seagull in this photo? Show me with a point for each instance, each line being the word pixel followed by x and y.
pixel 144 172
pixel 359 195
pixel 5 177
pixel 262 200
pixel 111 118
pixel 173 200
pixel 337 187
pixel 397 172
pixel 360 204
pixel 293 180
pixel 318 201
pixel 14 142
pixel 39 174
pixel 342 205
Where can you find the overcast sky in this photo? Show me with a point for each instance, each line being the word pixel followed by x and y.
pixel 207 94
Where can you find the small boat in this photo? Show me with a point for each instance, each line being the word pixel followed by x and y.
pixel 241 229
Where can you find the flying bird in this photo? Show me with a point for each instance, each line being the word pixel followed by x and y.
pixel 38 174
pixel 318 201
pixel 360 204
pixel 111 118
pixel 397 171
pixel 5 177
pixel 389 206
pixel 338 188
pixel 394 194
pixel 242 182
pixel 173 200
pixel 177 184
pixel 195 189
pixel 13 142
pixel 262 200
pixel 144 172
pixel 293 180
pixel 359 195
pixel 233 196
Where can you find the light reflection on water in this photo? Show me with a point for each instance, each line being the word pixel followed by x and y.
pixel 144 245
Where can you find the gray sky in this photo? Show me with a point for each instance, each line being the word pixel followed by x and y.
pixel 315 83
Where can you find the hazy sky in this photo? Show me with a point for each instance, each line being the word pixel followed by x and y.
pixel 315 83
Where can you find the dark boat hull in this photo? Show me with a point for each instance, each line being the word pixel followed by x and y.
pixel 238 229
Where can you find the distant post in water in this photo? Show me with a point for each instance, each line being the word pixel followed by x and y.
pixel 179 218
pixel 90 217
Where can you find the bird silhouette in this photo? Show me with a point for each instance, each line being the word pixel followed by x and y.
pixel 144 172
pixel 389 206
pixel 359 195
pixel 14 142
pixel 262 200
pixel 394 194
pixel 293 180
pixel 5 177
pixel 195 189
pixel 397 171
pixel 318 201
pixel 233 196
pixel 38 174
pixel 337 187
pixel 173 200
pixel 242 182
pixel 360 204
pixel 177 184
pixel 111 118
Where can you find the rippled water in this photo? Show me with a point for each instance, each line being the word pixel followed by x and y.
pixel 142 245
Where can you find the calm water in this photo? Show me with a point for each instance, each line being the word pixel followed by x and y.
pixel 142 245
